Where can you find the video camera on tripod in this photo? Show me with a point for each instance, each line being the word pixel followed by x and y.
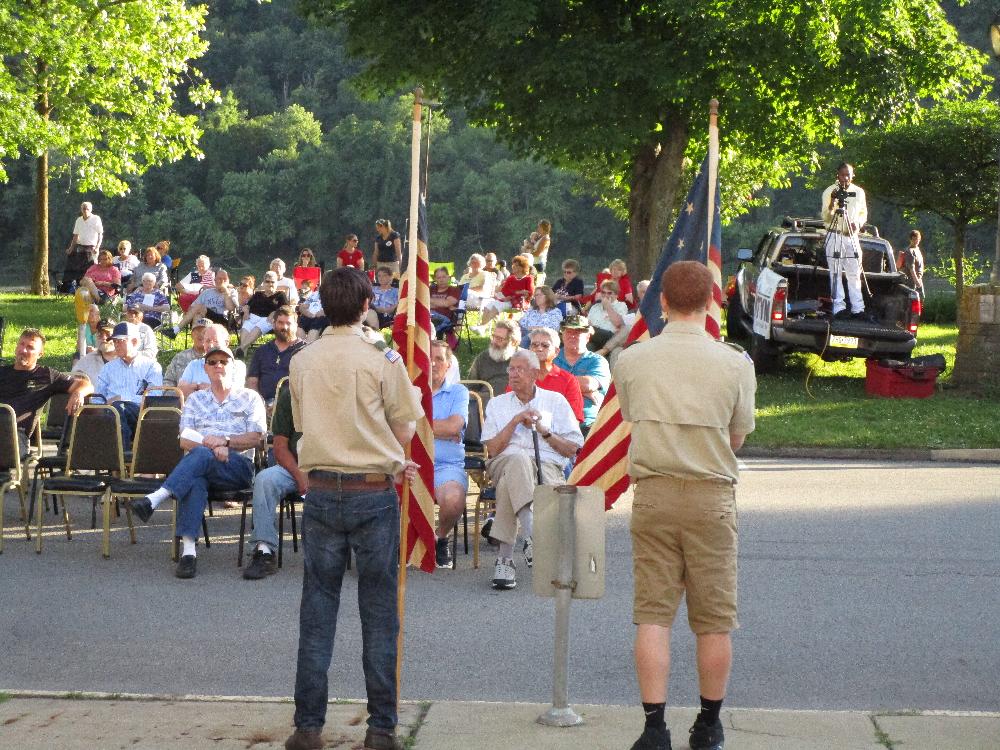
pixel 840 196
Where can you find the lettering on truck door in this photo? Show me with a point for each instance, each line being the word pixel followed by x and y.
pixel 763 296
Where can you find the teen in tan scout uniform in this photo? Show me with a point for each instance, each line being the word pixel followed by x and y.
pixel 690 401
pixel 355 407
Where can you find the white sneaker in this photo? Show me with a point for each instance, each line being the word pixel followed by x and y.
pixel 529 551
pixel 504 576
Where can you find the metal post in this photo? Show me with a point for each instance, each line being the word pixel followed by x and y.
pixel 561 715
pixel 995 271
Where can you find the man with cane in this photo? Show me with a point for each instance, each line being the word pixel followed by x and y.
pixel 845 212
pixel 530 434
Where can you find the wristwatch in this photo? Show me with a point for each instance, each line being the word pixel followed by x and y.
pixel 547 435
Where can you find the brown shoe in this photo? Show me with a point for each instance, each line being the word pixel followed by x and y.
pixel 305 739
pixel 381 739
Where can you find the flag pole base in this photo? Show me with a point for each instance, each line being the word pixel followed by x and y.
pixel 560 717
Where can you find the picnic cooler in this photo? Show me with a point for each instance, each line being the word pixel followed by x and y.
pixel 914 378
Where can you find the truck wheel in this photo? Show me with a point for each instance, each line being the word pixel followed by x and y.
pixel 766 357
pixel 735 320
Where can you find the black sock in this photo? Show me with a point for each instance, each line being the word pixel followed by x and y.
pixel 654 715
pixel 709 710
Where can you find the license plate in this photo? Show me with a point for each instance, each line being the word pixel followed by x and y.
pixel 844 342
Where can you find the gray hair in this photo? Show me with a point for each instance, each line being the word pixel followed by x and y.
pixel 280 264
pixel 528 355
pixel 476 256
pixel 88 205
pixel 511 326
pixel 549 333
pixel 149 276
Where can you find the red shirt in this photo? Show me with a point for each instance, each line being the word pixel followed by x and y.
pixel 105 279
pixel 624 287
pixel 518 291
pixel 560 381
pixel 353 258
pixel 306 273
pixel 452 292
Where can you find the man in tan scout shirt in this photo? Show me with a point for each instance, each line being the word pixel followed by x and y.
pixel 690 401
pixel 355 407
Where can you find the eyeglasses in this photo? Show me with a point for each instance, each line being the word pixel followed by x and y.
pixel 515 370
pixel 216 363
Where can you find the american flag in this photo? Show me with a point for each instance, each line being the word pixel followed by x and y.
pixel 603 460
pixel 420 536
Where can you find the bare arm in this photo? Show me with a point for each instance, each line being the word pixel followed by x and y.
pixel 403 431
pixel 449 428
pixel 81 388
pixel 252 383
pixel 736 440
pixel 286 460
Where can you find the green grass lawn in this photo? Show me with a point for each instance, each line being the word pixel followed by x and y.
pixel 833 412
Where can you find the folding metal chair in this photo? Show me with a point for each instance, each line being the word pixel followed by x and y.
pixel 162 396
pixel 12 475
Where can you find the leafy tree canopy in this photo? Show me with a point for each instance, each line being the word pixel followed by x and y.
pixel 615 88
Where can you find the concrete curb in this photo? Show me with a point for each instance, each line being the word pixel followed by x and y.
pixel 903 455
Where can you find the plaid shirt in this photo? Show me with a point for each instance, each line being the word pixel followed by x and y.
pixel 242 411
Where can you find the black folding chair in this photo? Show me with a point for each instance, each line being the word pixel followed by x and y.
pixel 11 473
pixel 155 452
pixel 169 396
pixel 94 456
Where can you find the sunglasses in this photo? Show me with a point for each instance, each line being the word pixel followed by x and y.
pixel 217 362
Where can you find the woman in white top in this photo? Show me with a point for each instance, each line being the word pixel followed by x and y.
pixel 540 251
pixel 481 282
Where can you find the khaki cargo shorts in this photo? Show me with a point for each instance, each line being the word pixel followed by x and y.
pixel 684 540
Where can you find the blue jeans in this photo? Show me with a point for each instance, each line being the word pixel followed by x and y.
pixel 269 486
pixel 129 414
pixel 332 524
pixel 194 474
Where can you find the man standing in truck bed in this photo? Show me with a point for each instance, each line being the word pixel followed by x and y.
pixel 845 212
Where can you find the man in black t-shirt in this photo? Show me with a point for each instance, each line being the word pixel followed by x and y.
pixel 27 387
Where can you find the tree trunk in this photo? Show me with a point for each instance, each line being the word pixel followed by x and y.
pixel 656 176
pixel 958 254
pixel 40 273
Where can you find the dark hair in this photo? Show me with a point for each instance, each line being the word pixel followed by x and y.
pixel 343 293
pixel 845 164
pixel 33 333
pixel 687 285
pixel 287 310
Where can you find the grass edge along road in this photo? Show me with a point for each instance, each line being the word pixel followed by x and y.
pixel 833 412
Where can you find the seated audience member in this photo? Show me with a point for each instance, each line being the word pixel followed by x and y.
pixel 125 262
pixel 542 314
pixel 180 361
pixel 272 484
pixel 151 263
pixel 125 379
pixel 102 279
pixel 258 314
pixel 147 339
pixel 163 248
pixel 569 289
pixel 202 277
pixel 92 327
pixel 27 386
pixel 384 303
pixel 350 254
pixel 312 320
pixel 195 376
pixel 270 361
pixel 510 420
pixel 220 429
pixel 283 283
pixel 545 344
pixel 149 300
pixel 491 365
pixel 590 370
pixel 216 303
pixel 451 414
pixel 490 266
pixel 444 302
pixel 607 315
pixel 306 269
pixel 614 346
pixel 91 363
pixel 481 282
pixel 305 289
pixel 616 271
pixel 514 293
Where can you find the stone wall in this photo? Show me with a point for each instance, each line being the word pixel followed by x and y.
pixel 977 359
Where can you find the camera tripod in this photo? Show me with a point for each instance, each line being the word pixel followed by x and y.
pixel 843 245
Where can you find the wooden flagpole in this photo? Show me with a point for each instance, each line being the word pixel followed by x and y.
pixel 411 324
pixel 713 163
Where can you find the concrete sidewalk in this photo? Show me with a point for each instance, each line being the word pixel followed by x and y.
pixel 33 721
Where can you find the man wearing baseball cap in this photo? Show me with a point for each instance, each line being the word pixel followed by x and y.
pixel 124 380
pixel 591 370
pixel 220 428
pixel 91 364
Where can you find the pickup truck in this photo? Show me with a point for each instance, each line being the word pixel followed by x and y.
pixel 780 301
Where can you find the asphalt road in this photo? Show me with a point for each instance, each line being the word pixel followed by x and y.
pixel 862 586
